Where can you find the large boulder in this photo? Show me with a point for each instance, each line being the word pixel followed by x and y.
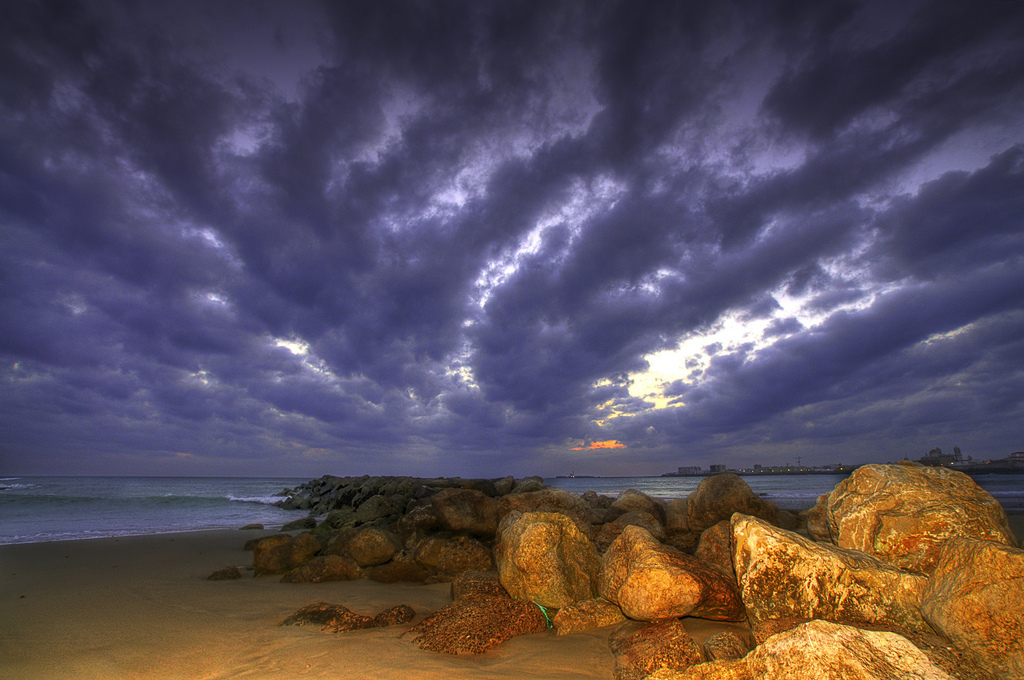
pixel 715 547
pixel 372 546
pixel 675 516
pixel 466 511
pixel 544 557
pixel 611 530
pixel 376 507
pixel 817 520
pixel 324 568
pixel 550 500
pixel 282 552
pixel 903 515
pixel 650 581
pixel 717 497
pixel 632 500
pixel 585 615
pixel 643 648
pixel 401 567
pixel 783 575
pixel 975 597
pixel 447 557
pixel 822 650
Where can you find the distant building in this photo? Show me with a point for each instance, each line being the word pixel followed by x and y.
pixel 689 470
pixel 715 469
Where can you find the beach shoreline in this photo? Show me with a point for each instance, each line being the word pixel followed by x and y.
pixel 142 607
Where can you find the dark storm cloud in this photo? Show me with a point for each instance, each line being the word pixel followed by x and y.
pixel 453 237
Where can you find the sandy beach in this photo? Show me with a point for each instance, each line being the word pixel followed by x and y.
pixel 141 607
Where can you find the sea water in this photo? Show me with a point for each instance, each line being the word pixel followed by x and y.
pixel 38 509
pixel 788 492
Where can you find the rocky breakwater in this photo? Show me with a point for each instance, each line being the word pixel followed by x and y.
pixel 900 571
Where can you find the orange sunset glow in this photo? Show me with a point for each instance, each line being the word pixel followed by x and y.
pixel 610 444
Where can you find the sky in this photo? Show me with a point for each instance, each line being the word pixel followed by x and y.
pixel 486 238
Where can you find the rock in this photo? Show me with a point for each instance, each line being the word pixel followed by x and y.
pixel 466 511
pixel 641 649
pixel 713 670
pixel 529 485
pixel 632 500
pixel 372 546
pixel 415 523
pixel 726 646
pixel 463 553
pixel 903 515
pixel 300 524
pixel 610 531
pixel 472 625
pixel 324 568
pixel 401 613
pixel 543 557
pixel 225 574
pixel 975 597
pixel 249 527
pixel 339 517
pixel 476 583
pixel 675 517
pixel 715 547
pixel 817 520
pixel 820 650
pixel 280 553
pixel 550 500
pixel 685 541
pixel 650 581
pixel 402 567
pixel 719 496
pixel 376 507
pixel 504 485
pixel 784 575
pixel 585 615
pixel 332 618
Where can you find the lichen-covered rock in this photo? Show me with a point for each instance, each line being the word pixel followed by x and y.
pixel 784 575
pixel 332 618
pixel 975 597
pixel 712 670
pixel 544 557
pixel 463 553
pixel 281 553
pixel 585 615
pixel 903 515
pixel 372 546
pixel 476 583
pixel 725 646
pixel 715 547
pixel 225 574
pixel 466 511
pixel 401 613
pixel 324 568
pixel 717 497
pixel 472 625
pixel 822 650
pixel 650 581
pixel 643 648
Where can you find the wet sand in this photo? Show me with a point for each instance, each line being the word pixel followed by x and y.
pixel 141 607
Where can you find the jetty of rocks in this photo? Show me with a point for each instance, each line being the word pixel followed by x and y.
pixel 900 571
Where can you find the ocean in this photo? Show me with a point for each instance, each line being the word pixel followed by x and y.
pixel 40 509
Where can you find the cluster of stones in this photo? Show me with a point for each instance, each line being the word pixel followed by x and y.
pixel 900 571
